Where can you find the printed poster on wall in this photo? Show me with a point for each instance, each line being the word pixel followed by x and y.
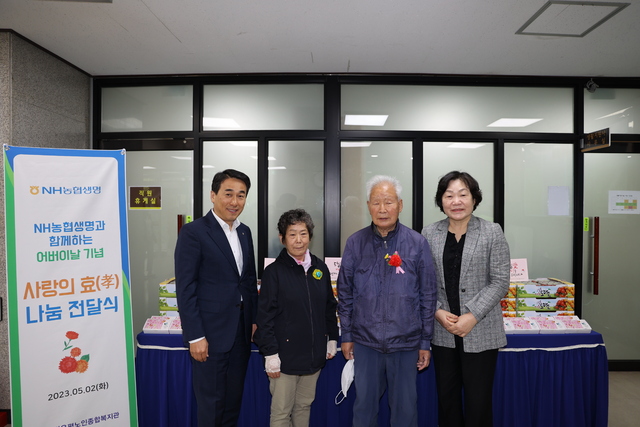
pixel 624 202
pixel 71 340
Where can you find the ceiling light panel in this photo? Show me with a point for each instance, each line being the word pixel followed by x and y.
pixel 512 123
pixel 365 120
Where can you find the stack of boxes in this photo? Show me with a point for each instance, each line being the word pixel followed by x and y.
pixel 168 321
pixel 509 302
pixel 539 298
pixel 167 300
pixel 541 306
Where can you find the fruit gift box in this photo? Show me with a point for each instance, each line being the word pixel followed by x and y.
pixel 536 290
pixel 549 325
pixel 518 325
pixel 513 290
pixel 508 307
pixel 157 325
pixel 573 325
pixel 544 306
pixel 175 327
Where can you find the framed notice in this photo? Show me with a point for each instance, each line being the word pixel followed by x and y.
pixel 71 341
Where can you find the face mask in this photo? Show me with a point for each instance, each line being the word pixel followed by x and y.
pixel 346 380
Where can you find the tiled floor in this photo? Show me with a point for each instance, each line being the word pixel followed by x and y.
pixel 624 399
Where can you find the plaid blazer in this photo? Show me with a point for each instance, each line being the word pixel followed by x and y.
pixel 484 280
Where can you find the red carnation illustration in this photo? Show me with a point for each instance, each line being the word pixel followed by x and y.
pixel 72 336
pixel 69 363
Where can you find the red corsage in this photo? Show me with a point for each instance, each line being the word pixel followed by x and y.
pixel 395 261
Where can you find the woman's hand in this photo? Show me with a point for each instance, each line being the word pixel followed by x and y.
pixel 457 325
pixel 272 365
pixel 464 325
pixel 446 319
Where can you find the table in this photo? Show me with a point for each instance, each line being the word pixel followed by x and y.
pixel 552 380
pixel 541 380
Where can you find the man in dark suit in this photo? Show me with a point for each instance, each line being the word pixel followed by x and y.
pixel 217 299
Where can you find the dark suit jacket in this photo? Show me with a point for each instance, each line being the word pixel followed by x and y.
pixel 209 286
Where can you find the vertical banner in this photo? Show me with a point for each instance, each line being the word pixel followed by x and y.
pixel 71 339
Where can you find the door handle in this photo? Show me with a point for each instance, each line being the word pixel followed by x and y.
pixel 596 255
pixel 180 222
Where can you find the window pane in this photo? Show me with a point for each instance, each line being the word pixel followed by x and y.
pixel 149 108
pixel 296 180
pixel 240 155
pixel 153 233
pixel 539 208
pixel 361 161
pixel 441 158
pixel 453 108
pixel 616 109
pixel 264 107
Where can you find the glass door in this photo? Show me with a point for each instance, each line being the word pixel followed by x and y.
pixel 167 178
pixel 611 300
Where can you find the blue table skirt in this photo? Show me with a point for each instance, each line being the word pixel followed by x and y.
pixel 541 380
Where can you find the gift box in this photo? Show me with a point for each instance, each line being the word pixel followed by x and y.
pixel 545 305
pixel 167 288
pixel 518 325
pixel 175 327
pixel 157 325
pixel 573 325
pixel 549 325
pixel 545 314
pixel 168 306
pixel 537 290
pixel 512 292
pixel 508 307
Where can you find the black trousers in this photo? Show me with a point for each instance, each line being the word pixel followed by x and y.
pixel 219 382
pixel 465 386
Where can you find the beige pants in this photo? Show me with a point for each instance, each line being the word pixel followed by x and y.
pixel 291 398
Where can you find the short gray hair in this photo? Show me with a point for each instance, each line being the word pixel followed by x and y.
pixel 379 179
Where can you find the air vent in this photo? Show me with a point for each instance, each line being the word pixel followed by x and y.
pixel 570 19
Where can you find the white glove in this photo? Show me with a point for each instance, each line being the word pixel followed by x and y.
pixel 332 348
pixel 272 363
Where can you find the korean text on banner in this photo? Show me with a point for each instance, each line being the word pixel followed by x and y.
pixel 70 331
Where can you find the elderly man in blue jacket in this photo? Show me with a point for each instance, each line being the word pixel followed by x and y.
pixel 386 304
